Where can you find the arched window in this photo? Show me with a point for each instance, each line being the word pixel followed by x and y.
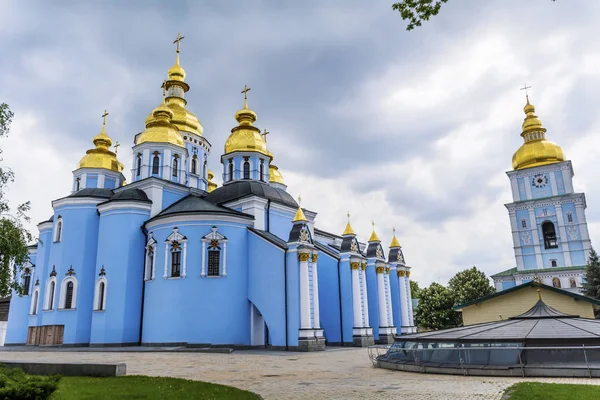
pixel 26 284
pixel 175 261
pixel 100 295
pixel 204 170
pixel 34 301
pixel 549 233
pixel 50 294
pixel 138 169
pixel 556 282
pixel 214 261
pixel 262 170
pixel 230 177
pixel 246 170
pixel 68 293
pixel 155 164
pixel 175 166
pixel 572 282
pixel 69 296
pixel 195 165
pixel 77 183
pixel 553 263
pixel 58 229
pixel 150 258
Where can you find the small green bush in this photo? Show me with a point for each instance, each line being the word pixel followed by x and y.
pixel 17 385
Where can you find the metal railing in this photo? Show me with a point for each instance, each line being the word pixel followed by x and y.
pixel 466 356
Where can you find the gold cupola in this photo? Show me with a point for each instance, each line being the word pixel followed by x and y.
pixel 211 185
pixel 536 150
pixel 274 173
pixel 101 156
pixel 348 230
pixel 245 136
pixel 395 242
pixel 160 129
pixel 374 237
pixel 176 88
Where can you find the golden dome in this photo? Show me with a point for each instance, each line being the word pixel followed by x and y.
pixel 176 72
pixel 183 119
pixel 274 175
pixel 395 242
pixel 101 156
pixel 374 237
pixel 348 230
pixel 245 136
pixel 160 129
pixel 211 185
pixel 300 217
pixel 536 150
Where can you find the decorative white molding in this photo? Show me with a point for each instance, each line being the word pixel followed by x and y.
pixel 119 205
pixel 97 305
pixel 63 293
pixel 35 300
pixel 49 305
pixel 214 235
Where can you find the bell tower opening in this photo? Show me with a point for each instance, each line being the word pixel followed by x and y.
pixel 549 233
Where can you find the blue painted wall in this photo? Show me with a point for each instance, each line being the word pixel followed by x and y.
pixel 372 298
pixel 20 305
pixel 171 196
pixel 396 307
pixel 347 307
pixel 508 285
pixel 329 300
pixel 293 288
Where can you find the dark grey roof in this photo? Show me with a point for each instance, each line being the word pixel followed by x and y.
pixel 240 189
pixel 296 232
pixel 192 204
pixel 93 192
pixel 540 323
pixel 130 195
pixel 372 249
pixel 327 250
pixel 268 236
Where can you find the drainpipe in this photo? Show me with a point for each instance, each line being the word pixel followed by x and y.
pixel 143 287
pixel 287 347
pixel 340 301
pixel 268 216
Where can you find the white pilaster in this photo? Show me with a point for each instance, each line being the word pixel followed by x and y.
pixel 203 268
pixel 403 298
pixel 381 303
pixel 166 172
pixel 101 181
pixel 184 269
pixel 536 238
pixel 356 303
pixel 83 182
pixel 388 293
pixel 568 180
pixel 166 259
pixel 553 183
pixel 304 291
pixel 411 320
pixel 146 161
pixel 315 283
pixel 363 272
pixel 514 184
pixel 527 185
pixel 224 258
pixel 563 235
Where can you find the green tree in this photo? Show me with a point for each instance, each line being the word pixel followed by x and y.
pixel 13 235
pixel 591 287
pixel 417 11
pixel 434 310
pixel 415 290
pixel 468 285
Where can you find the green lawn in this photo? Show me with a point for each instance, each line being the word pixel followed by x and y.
pixel 143 387
pixel 552 391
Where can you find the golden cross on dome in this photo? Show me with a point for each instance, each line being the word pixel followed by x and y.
pixel 264 134
pixel 117 144
pixel 525 87
pixel 299 200
pixel 348 214
pixel 394 230
pixel 178 40
pixel 104 116
pixel 245 91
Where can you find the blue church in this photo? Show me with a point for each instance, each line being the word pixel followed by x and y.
pixel 547 217
pixel 170 259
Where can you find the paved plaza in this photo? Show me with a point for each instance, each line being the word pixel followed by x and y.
pixel 338 373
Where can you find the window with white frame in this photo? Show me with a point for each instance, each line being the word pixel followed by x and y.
pixel 34 301
pixel 58 229
pixel 150 262
pixel 214 256
pixel 68 293
pixel 175 255
pixel 100 295
pixel 50 294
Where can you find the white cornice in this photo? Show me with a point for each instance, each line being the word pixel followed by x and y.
pixel 547 201
pixel 526 172
pixel 118 205
pixel 176 219
pixel 77 201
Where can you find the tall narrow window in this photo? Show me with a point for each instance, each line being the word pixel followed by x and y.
pixel 213 262
pixel 262 170
pixel 523 223
pixel 58 231
pixel 246 170
pixel 69 296
pixel 549 233
pixel 155 164
pixel 101 293
pixel 553 263
pixel 195 165
pixel 51 295
pixel 138 169
pixel 175 263
pixel 204 170
pixel 149 263
pixel 77 183
pixel 569 217
pixel 175 166
pixel 34 302
pixel 230 177
pixel 26 283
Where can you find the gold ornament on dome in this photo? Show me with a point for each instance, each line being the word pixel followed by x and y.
pixel 302 257
pixel 101 156
pixel 274 175
pixel 304 235
pixel 160 129
pixel 536 151
pixel 245 136
pixel 379 252
pixel 353 246
pixel 211 185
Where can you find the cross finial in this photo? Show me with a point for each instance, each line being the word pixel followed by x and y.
pixel 117 144
pixel 104 117
pixel 348 215
pixel 394 230
pixel 539 294
pixel 373 223
pixel 525 87
pixel 245 92
pixel 178 41
pixel 264 134
pixel 299 200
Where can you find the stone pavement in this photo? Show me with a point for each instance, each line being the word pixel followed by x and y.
pixel 337 373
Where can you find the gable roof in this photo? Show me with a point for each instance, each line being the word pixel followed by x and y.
pixel 193 204
pixel 269 237
pixel 244 188
pixel 526 285
pixel 327 250
pixel 514 271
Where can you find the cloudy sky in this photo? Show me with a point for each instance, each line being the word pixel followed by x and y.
pixel 409 129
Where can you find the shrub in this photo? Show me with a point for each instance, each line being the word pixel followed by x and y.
pixel 17 385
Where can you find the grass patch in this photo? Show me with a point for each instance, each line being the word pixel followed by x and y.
pixel 552 391
pixel 144 387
